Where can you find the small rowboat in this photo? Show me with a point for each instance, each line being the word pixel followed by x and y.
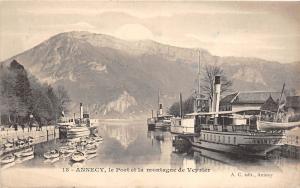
pixel 30 139
pixel 98 139
pixel 93 155
pixel 8 145
pixel 83 142
pixel 27 152
pixel 9 158
pixel 23 159
pixel 65 155
pixel 91 150
pixel 63 149
pixel 78 156
pixel 89 146
pixel 20 143
pixel 66 149
pixel 71 149
pixel 51 154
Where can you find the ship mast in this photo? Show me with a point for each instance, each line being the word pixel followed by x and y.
pixel 198 95
pixel 158 102
pixel 199 76
pixel 276 117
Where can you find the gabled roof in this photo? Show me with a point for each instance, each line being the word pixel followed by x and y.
pixel 228 99
pixel 293 102
pixel 251 97
pixel 270 105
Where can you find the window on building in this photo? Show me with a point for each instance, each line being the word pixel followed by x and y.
pixel 234 140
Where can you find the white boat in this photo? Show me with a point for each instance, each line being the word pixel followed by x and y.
pixel 91 150
pixel 90 156
pixel 98 139
pixel 30 139
pixel 25 153
pixel 229 131
pixel 161 121
pixel 78 156
pixel 20 143
pixel 9 158
pixel 7 165
pixel 67 149
pixel 23 159
pixel 8 145
pixel 51 154
pixel 52 160
pixel 28 152
pixel 65 155
pixel 267 125
pixel 88 146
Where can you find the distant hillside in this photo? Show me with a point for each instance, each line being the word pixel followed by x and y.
pixel 114 76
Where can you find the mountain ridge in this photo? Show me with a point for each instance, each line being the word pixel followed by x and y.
pixel 98 69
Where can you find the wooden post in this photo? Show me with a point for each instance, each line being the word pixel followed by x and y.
pixel 180 107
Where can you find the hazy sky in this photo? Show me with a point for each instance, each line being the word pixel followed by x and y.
pixel 268 30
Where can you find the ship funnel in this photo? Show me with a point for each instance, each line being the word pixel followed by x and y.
pixel 160 109
pixel 81 111
pixel 216 95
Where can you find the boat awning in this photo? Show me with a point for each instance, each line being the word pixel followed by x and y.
pixel 221 112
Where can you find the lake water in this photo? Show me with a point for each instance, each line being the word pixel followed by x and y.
pixel 134 146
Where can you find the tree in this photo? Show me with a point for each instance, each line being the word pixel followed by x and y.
pixel 21 95
pixel 63 98
pixel 187 107
pixel 207 81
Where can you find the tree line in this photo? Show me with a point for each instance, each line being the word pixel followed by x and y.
pixel 23 98
pixel 207 89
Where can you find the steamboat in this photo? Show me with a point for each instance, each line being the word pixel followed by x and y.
pixel 237 132
pixel 161 120
pixel 75 128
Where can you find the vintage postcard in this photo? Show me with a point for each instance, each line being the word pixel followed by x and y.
pixel 149 94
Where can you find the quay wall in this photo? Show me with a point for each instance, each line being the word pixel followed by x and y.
pixel 47 133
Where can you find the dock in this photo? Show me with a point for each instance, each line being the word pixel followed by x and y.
pixel 45 134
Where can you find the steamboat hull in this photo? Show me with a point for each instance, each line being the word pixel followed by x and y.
pixel 251 145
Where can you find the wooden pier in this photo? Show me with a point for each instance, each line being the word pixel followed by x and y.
pixel 45 134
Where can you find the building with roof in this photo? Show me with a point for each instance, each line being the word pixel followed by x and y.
pixel 250 100
pixel 293 104
pixel 292 107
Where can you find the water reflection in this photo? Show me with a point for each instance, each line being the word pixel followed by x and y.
pixel 134 145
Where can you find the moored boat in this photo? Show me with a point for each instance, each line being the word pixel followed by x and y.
pixel 51 154
pixel 8 144
pixel 78 156
pixel 234 132
pixel 161 120
pixel 91 150
pixel 269 126
pixel 9 158
pixel 27 152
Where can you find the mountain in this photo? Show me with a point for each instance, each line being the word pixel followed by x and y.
pixel 113 76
